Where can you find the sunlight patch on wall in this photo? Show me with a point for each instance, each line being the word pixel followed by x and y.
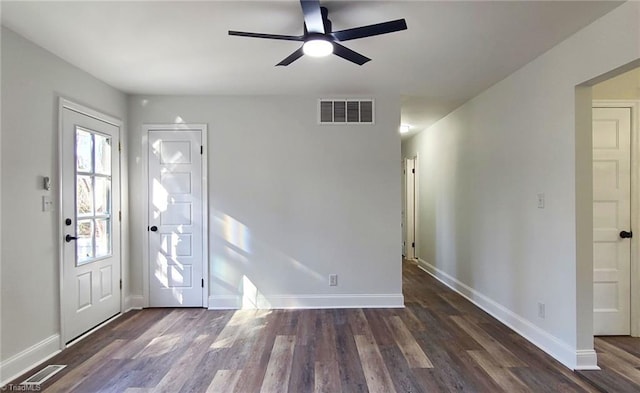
pixel 251 297
pixel 235 255
pixel 236 233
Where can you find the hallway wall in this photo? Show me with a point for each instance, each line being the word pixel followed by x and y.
pixel 480 172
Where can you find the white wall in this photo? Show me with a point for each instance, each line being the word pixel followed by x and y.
pixel 32 81
pixel 480 169
pixel 308 200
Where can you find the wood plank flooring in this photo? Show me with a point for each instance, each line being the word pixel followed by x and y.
pixel 438 343
pixel 619 359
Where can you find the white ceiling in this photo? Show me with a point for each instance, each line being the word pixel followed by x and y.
pixel 451 51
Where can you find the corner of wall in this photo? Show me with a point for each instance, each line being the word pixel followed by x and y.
pixel 585 359
pixel 22 362
pixel 133 302
pixel 583 218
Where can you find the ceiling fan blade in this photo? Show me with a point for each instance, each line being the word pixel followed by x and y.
pixel 269 36
pixel 291 58
pixel 312 16
pixel 349 54
pixel 370 30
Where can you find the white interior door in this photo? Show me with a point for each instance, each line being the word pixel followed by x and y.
pixel 410 242
pixel 611 218
pixel 403 218
pixel 176 235
pixel 90 227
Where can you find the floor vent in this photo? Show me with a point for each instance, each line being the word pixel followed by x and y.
pixel 44 374
pixel 345 111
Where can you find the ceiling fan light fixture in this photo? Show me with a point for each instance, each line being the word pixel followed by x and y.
pixel 317 47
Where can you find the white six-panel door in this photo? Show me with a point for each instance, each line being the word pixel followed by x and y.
pixel 90 199
pixel 611 216
pixel 176 231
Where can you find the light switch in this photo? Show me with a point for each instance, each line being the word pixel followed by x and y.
pixel 541 200
pixel 47 203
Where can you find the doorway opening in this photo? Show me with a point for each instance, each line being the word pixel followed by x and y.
pixel 175 264
pixel 616 205
pixel 410 222
pixel 90 220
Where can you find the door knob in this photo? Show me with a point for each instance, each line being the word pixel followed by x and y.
pixel 626 235
pixel 68 238
pixel 153 229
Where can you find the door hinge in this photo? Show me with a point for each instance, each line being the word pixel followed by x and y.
pixel 119 146
pixel 121 284
pixel 201 149
pixel 202 282
pixel 413 171
pixel 413 245
pixel 119 215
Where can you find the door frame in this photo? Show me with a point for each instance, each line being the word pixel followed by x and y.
pixel 634 105
pixel 64 103
pixel 146 128
pixel 413 209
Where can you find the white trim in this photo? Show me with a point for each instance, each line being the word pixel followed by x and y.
pixel 586 359
pixel 63 104
pixel 133 303
pixel 85 110
pixel 416 207
pixel 308 301
pixel 93 330
pixel 408 251
pixel 205 216
pixel 203 128
pixel 635 203
pixel 24 361
pixel 221 302
pixel 558 349
pixel 144 167
pixel 403 169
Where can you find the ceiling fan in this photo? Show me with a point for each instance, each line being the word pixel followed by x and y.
pixel 318 38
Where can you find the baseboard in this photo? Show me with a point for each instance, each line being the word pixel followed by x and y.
pixel 133 303
pixel 24 361
pixel 586 359
pixel 307 301
pixel 556 348
pixel 229 302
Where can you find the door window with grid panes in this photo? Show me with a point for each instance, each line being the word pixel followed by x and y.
pixel 93 196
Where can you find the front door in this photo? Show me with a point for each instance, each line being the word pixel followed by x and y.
pixel 612 221
pixel 176 234
pixel 90 229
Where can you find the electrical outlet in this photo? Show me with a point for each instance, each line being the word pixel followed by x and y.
pixel 541 200
pixel 541 310
pixel 333 280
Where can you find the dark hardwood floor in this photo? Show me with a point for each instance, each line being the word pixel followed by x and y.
pixel 438 343
pixel 619 359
